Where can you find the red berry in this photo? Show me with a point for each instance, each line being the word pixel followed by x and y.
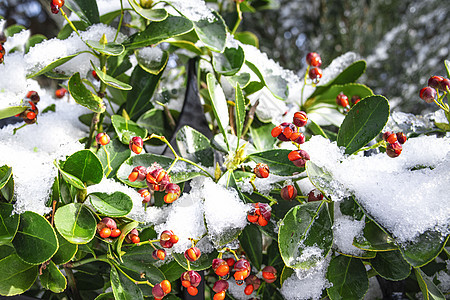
pixel 253 280
pixel 401 137
pixel 59 3
pixel 94 74
pixel 289 192
pixel 219 296
pixel 428 94
pixel 136 144
pixel 166 286
pixel 315 195
pixel 33 96
pixel 54 8
pixel 159 254
pixel 192 291
pixel 230 261
pixel 173 192
pixel 435 81
pixel 313 59
pixel 158 292
pixel 242 268
pixel 300 119
pixel 276 131
pixel 261 170
pixel 59 93
pixel 389 137
pixel 186 283
pixel 259 213
pixel 286 130
pixel 192 277
pixel 31 115
pixel 192 254
pixel 299 157
pixel 105 233
pixel 248 289
pixel 110 223
pixel 315 74
pixel 220 267
pixel 174 239
pixel 115 232
pixel 342 100
pixel 145 194
pixel 102 139
pixel 394 149
pixel 138 174
pixel 445 85
pixel 167 239
pixel 135 239
pixel 298 137
pixel 269 274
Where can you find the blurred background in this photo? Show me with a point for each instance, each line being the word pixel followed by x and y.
pixel 403 41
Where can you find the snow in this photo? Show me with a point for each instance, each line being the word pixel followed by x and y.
pixel 345 229
pixel 17 41
pixel 150 54
pixel 13 86
pixel 194 10
pixel 237 291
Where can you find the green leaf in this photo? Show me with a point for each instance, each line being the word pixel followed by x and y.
pixel 363 123
pixel 247 37
pixel 447 67
pixel 86 166
pixel 428 288
pixel 277 85
pixel 75 223
pixel 33 40
pixel 239 111
pixel 152 59
pixel 126 228
pixel 9 223
pixel 105 296
pixel 285 274
pixel 118 153
pixel 229 62
pixel 262 139
pixel 111 81
pixel 13 29
pixel 304 226
pixel 112 49
pixel 204 262
pixel 218 104
pixel 52 279
pixel 123 288
pixel 243 79
pixel 391 265
pixel 109 17
pixel 374 239
pixel 17 276
pixel 172 270
pixel 149 14
pixel 11 111
pixel 316 129
pixel 70 179
pixel 66 251
pixel 185 45
pixel 138 99
pixel 213 33
pixel 7 191
pixel 83 96
pixel 195 146
pixel 350 89
pixel 35 232
pixel 53 65
pixel 127 129
pixel 424 248
pixel 157 32
pixel 5 175
pixel 155 121
pixel 140 260
pixel 349 278
pixel 67 30
pixel 87 10
pixel 277 160
pixel 251 241
pixel 113 205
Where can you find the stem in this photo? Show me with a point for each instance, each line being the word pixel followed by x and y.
pixel 188 264
pixel 68 21
pixel 120 21
pixel 234 253
pixel 131 279
pixel 169 116
pixel 381 143
pixel 250 117
pixel 238 22
pixel 15 129
pixel 304 84
pixel 86 261
pixel 148 242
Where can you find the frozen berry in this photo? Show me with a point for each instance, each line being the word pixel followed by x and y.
pixel 193 291
pixel 315 74
pixel 289 192
pixel 248 289
pixel 220 286
pixel 300 119
pixel 299 157
pixel 145 193
pixel 136 144
pixel 253 280
pixel 161 289
pixel 315 195
pixel 342 100
pixel 428 94
pixel 59 3
pixel 192 277
pixel 242 271
pixel 261 170
pixel 132 237
pixel 220 267
pixel 33 96
pixel 259 213
pixel 159 254
pixel 138 174
pixel 173 192
pixel 167 239
pixel 192 254
pixel 108 223
pixel 298 138
pixel 157 178
pixel 284 131
pixel 102 138
pixel 269 274
pixel 435 81
pixel 60 93
pixel 401 137
pixel 394 149
pixel 313 59
pixel 31 115
pixel 219 296
pixel 389 137
pixel 115 232
pixel 105 233
pixel 445 85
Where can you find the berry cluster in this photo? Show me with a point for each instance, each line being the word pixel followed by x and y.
pixel 261 170
pixel 342 100
pixel 2 49
pixel 55 5
pixel 167 239
pixel 29 115
pixel 395 142
pixel 161 289
pixel 107 228
pixel 259 213
pixel 314 62
pixel 191 280
pixel 136 144
pixel 430 93
pixel 157 180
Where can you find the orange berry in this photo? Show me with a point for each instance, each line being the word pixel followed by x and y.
pixel 174 239
pixel 135 239
pixel 136 149
pixel 222 270
pixel 252 218
pixel 133 176
pixel 170 197
pixel 105 233
pixel 115 232
pixel 186 283
pixel 192 291
pixel 31 115
pixel 241 275
pixel 166 286
pixel 262 221
pixel 248 289
pixel 161 254
pixel 287 132
pixel 276 131
pixel 219 296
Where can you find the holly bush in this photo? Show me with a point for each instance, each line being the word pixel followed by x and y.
pixel 196 177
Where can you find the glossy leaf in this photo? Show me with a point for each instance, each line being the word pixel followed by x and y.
pixel 152 59
pixel 247 37
pixel 349 278
pixel 195 146
pixel 391 265
pixel 250 240
pixel 172 270
pixel 363 123
pixel 304 226
pixel 242 78
pixel 17 275
pixel 75 223
pixel 155 121
pixel 83 96
pixel 105 296
pixel 212 33
pixel 125 228
pixel 239 111
pixel 277 160
pixel 117 154
pixel 262 139
pixel 113 49
pixel 67 30
pixel 35 232
pixel 218 104
pixel 70 179
pixel 277 85
pixel 86 166
pixel 9 223
pixel 204 262
pixel 11 111
pixel 350 89
pixel 13 29
pixel 285 274
pixel 87 10
pixel 374 239
pixel 316 129
pixel 190 46
pixel 66 251
pixel 116 204
pixel 52 279
pixel 229 62
pixel 5 175
pixel 140 260
pixel 424 249
pixel 428 288
pixel 123 288
pixel 7 190
pixel 127 129
pixel 111 81
pixel 34 40
pixel 149 14
pixel 53 65
pixel 157 32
